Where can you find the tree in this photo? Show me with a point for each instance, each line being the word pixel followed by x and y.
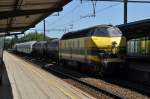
pixel 32 36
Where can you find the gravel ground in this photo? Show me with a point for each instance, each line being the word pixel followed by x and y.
pixel 102 84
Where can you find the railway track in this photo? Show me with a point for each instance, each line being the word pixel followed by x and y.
pixel 108 93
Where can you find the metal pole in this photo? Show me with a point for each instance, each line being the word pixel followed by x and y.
pixel 44 30
pixel 36 35
pixel 125 11
pixel 16 39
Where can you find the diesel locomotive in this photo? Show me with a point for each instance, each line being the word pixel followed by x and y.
pixel 99 49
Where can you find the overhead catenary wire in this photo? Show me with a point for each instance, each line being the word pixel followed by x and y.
pixel 129 1
pixel 94 7
pixel 55 21
pixel 120 1
pixel 68 13
pixel 98 11
pixel 106 8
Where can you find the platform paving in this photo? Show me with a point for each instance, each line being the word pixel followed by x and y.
pixel 31 82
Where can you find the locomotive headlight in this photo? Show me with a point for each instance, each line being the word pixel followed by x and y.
pixel 114 47
pixel 114 44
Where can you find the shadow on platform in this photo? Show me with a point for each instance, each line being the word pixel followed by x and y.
pixel 5 88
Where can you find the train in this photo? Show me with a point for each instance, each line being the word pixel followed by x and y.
pixel 99 49
pixel 39 49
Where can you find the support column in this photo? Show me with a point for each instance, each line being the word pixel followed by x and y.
pixel 125 11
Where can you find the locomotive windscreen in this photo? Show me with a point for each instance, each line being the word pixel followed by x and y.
pixel 107 31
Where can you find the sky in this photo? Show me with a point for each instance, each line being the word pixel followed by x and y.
pixel 73 16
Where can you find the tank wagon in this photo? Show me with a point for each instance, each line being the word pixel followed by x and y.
pixel 99 49
pixel 39 49
pixel 52 50
pixel 26 47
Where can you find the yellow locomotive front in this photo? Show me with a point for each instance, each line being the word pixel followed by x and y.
pixel 100 49
pixel 108 49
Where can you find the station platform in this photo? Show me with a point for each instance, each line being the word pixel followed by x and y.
pixel 30 82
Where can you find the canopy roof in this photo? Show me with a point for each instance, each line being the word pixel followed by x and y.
pixel 20 15
pixel 136 29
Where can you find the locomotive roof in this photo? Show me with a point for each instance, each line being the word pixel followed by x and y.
pixel 78 32
pixel 93 27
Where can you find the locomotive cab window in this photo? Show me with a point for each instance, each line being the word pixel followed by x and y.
pixel 107 31
pixel 113 31
pixel 90 32
pixel 100 32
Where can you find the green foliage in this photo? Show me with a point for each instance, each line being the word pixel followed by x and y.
pixel 8 43
pixel 33 36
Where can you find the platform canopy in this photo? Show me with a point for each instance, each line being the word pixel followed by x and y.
pixel 136 29
pixel 20 15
